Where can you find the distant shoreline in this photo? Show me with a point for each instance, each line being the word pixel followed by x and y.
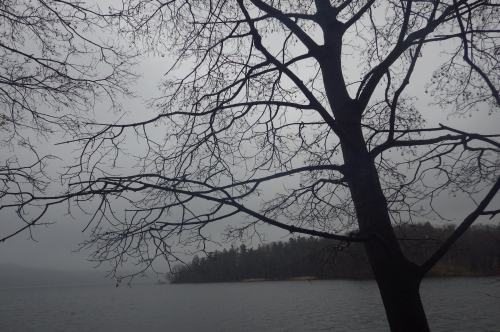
pixel 304 278
pixel 313 278
pixel 14 276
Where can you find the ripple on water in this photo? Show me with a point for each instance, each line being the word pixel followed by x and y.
pixel 452 304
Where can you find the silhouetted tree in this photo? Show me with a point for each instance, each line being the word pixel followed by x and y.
pixel 312 94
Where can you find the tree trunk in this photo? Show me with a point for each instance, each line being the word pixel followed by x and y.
pixel 399 288
pixel 397 278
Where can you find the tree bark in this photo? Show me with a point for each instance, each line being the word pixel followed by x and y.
pixel 397 278
pixel 399 288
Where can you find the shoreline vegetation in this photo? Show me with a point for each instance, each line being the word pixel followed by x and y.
pixel 441 271
pixel 476 254
pixel 303 278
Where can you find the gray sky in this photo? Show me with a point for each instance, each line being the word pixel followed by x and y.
pixel 55 244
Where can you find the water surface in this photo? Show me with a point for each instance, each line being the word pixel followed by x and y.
pixel 452 304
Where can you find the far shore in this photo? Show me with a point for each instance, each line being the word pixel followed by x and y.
pixel 439 272
pixel 309 278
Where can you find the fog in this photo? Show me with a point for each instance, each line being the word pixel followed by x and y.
pixel 56 246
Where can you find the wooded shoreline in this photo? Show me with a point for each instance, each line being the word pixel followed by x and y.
pixel 312 278
pixel 477 254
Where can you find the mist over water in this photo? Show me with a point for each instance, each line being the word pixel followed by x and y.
pixel 452 304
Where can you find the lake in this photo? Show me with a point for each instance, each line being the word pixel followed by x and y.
pixel 452 304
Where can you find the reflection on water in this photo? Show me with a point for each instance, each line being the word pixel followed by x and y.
pixel 452 304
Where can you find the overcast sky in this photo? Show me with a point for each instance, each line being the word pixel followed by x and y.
pixel 55 244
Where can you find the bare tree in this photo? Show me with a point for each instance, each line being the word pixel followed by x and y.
pixel 265 119
pixel 56 62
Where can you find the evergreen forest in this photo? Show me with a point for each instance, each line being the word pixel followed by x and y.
pixel 477 253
